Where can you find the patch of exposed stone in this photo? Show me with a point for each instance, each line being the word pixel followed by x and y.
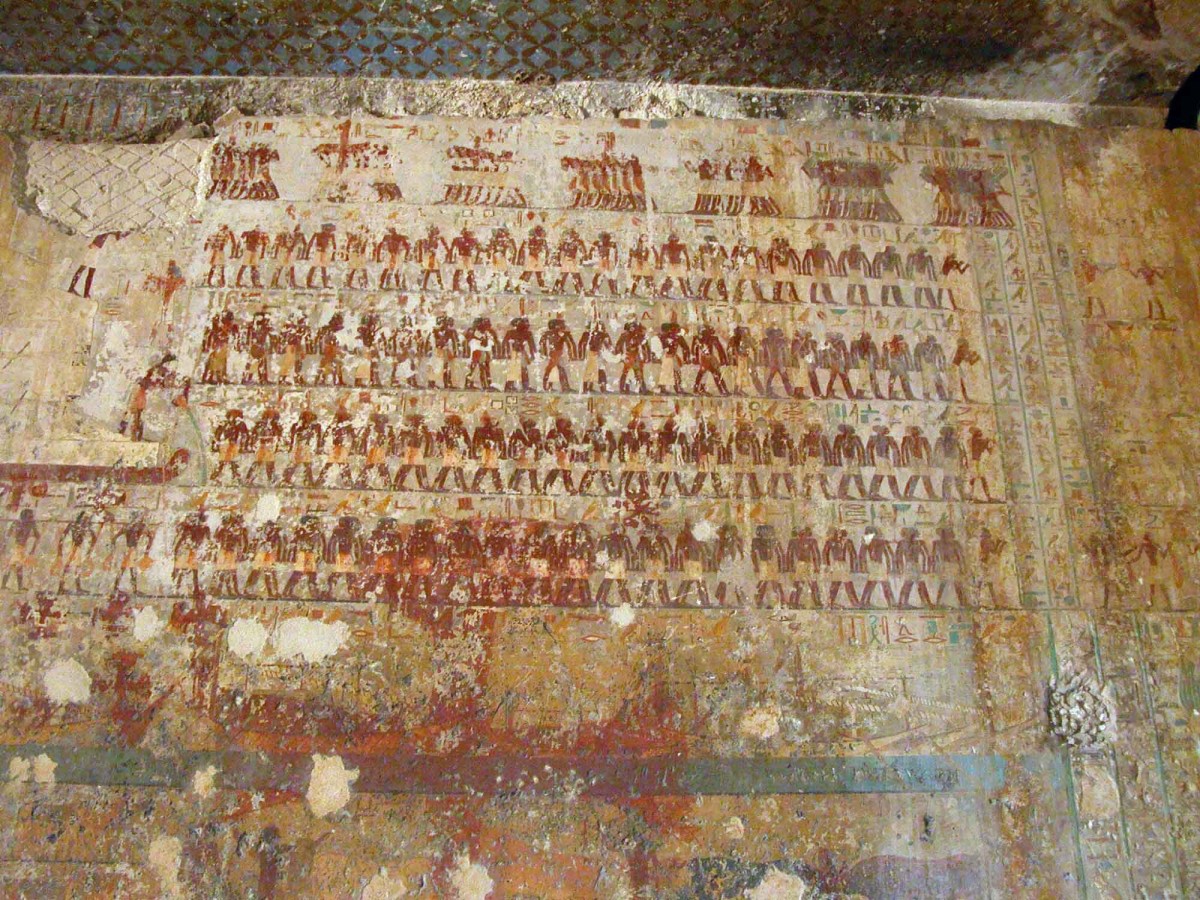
pixel 1082 710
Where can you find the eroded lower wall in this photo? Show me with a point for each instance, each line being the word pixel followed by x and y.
pixel 474 508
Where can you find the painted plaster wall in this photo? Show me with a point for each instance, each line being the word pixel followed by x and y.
pixel 317 587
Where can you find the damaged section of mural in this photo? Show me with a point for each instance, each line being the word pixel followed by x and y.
pixel 529 508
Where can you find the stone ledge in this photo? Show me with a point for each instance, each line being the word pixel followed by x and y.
pixel 88 108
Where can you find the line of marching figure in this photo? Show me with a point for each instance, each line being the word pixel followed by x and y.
pixel 356 258
pixel 672 358
pixel 749 457
pixel 502 561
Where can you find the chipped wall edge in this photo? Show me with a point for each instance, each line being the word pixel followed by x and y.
pixel 89 108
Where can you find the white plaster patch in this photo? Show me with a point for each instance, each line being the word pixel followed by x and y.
pixel 735 828
pixel 19 769
pixel 246 637
pixel 383 886
pixel 204 781
pixel 67 682
pixel 43 769
pixel 704 531
pixel 164 857
pixel 117 361
pixel 622 616
pixel 760 722
pixel 267 509
pixel 779 886
pixel 161 560
pixel 470 881
pixel 329 785
pixel 146 624
pixel 310 639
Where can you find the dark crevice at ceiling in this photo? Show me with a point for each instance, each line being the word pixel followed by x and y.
pixel 1069 50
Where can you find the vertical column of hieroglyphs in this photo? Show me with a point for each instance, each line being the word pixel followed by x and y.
pixel 1067 513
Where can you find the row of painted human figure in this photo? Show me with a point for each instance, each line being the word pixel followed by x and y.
pixel 747 459
pixel 527 562
pixel 361 260
pixel 1161 567
pixel 743 361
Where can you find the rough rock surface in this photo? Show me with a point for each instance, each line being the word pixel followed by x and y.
pixel 1081 51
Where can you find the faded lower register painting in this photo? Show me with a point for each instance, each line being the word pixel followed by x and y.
pixel 535 508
